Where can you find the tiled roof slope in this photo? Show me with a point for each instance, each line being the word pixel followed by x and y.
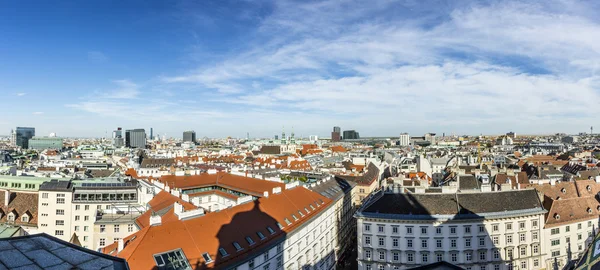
pixel 162 203
pixel 208 233
pixel 20 203
pixel 455 204
pixel 235 182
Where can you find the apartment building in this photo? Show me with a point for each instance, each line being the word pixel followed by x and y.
pixel 271 226
pixel 89 209
pixel 491 230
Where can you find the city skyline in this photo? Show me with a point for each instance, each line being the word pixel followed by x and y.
pixel 225 68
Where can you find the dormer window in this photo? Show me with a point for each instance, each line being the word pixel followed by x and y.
pixel 223 252
pixel 249 240
pixel 271 231
pixel 306 209
pixel 261 235
pixel 281 226
pixel 207 257
pixel 295 217
pixel 557 216
pixel 588 188
pixel 25 218
pixel 11 217
pixel 311 207
pixel 237 246
pixel 589 210
pixel 301 214
pixel 563 190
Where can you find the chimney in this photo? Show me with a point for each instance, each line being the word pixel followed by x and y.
pixel 6 197
pixel 552 182
pixel 276 190
pixel 120 246
pixel 177 208
pixel 155 220
pixel 597 179
pixel 266 194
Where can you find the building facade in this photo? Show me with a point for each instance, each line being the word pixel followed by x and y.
pixel 23 135
pixel 189 136
pixel 497 230
pixel 336 134
pixel 350 135
pixel 41 143
pixel 404 139
pixel 135 138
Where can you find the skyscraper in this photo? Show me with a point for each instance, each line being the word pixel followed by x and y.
pixel 189 136
pixel 22 136
pixel 135 138
pixel 350 135
pixel 151 134
pixel 118 138
pixel 335 135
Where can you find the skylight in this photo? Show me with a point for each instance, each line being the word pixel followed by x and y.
pixel 237 246
pixel 249 239
pixel 172 260
pixel 260 235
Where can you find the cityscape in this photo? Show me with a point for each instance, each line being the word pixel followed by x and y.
pixel 300 135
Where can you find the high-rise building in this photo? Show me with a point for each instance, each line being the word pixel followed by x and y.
pixel 151 134
pixel 118 140
pixel 135 138
pixel 336 134
pixel 430 137
pixel 22 136
pixel 350 135
pixel 189 136
pixel 404 139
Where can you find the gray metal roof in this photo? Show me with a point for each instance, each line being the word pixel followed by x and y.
pixel 56 185
pixel 41 251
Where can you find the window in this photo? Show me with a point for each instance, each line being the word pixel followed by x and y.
pixel 481 229
pixel 534 236
pixel 77 207
pixel 279 261
pixel 468 242
pixel 536 262
pixel 395 229
pixel 536 249
pixel 261 236
pixel 579 236
pixel 495 240
pixel 424 257
pixel 468 256
pixel 85 228
pixel 482 256
pixel 579 226
pixel 367 227
pixel 207 257
pixel 116 228
pixel 129 227
pixel 369 267
pixel 60 222
pixel 509 253
pixel 60 200
pixel 534 223
pixel 396 256
pixel 467 229
pixel 589 224
pixel 439 257
pixel 438 243
pixel 381 241
pixel 266 256
pixel 45 195
pixel 102 242
pixel 453 243
pixel 496 254
pixel 555 242
pixel 267 266
pixel 249 240
pixel 102 228
pixel 76 218
pixel 453 257
pixel 496 267
pixel 237 246
pixel 508 226
pixel 494 227
pixel 76 228
pixel 381 255
pixel 423 243
pixel 251 264
pixel 410 257
pixel 395 242
pixel 85 238
pixel 554 231
pixel 280 247
pixel 438 230
pixel 367 240
pixel 523 251
pixel 423 230
pixel 25 218
pixel 409 230
pixel 380 228
pixel 452 230
pixel 86 218
pixel 368 254
pixel 509 239
pixel 409 243
pixel 522 237
pixel 87 207
pixel 568 228
pixel 523 265
pixel 522 225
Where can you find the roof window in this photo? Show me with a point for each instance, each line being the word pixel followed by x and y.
pixel 306 209
pixel 237 246
pixel 260 235
pixel 295 217
pixel 287 221
pixel 223 252
pixel 271 231
pixel 172 260
pixel 301 214
pixel 311 207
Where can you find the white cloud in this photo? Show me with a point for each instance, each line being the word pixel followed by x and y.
pixel 37 113
pixel 126 89
pixel 97 57
pixel 21 94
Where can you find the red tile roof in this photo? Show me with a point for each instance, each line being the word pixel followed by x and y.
pixel 239 183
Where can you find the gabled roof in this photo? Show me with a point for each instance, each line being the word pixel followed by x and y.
pixel 208 233
pixel 162 204
pixel 19 204
pixel 572 210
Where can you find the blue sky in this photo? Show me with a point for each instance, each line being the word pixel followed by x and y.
pixel 224 68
